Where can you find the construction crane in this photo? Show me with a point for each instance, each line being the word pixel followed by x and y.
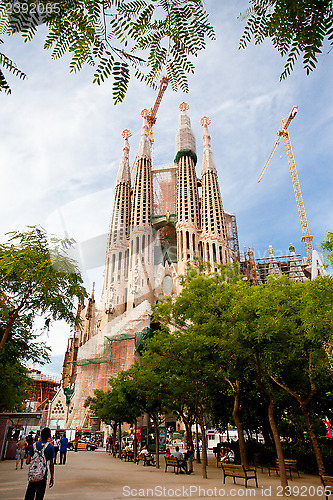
pixel 151 116
pixel 306 238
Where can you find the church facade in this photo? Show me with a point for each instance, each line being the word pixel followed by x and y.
pixel 164 220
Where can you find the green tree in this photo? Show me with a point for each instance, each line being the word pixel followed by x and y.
pixel 293 333
pixel 296 28
pixel 37 278
pixel 23 347
pixel 115 36
pixel 184 366
pixel 327 247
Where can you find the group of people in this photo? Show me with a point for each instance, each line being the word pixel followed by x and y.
pixel 40 451
pixel 184 459
pixel 25 444
pixel 227 455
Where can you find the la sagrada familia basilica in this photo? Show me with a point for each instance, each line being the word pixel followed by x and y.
pixel 161 222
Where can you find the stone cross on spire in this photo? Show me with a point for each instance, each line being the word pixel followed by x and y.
pixel 184 106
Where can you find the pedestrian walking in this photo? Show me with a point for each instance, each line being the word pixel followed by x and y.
pixel 56 445
pixel 63 449
pixel 39 454
pixel 21 445
pixel 76 441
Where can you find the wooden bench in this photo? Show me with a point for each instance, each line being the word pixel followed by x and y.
pixel 290 465
pixel 239 471
pixel 328 485
pixel 142 457
pixel 176 464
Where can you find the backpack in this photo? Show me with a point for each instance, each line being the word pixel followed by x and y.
pixel 37 467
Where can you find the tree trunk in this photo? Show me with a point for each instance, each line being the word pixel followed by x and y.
pixel 119 439
pixel 114 432
pixel 272 423
pixel 314 440
pixel 188 432
pixel 277 442
pixel 157 441
pixel 8 329
pixel 135 444
pixel 204 449
pixel 308 420
pixel 239 425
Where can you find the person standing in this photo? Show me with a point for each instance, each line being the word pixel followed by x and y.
pixel 63 449
pixel 39 454
pixel 76 442
pixel 21 445
pixel 56 444
pixel 190 456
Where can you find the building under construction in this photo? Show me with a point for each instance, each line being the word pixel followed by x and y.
pixel 161 222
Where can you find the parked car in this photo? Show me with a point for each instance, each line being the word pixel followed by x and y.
pixel 82 445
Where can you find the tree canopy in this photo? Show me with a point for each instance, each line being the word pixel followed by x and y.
pixel 115 36
pixel 37 278
pixel 296 28
pixel 24 346
pixel 327 246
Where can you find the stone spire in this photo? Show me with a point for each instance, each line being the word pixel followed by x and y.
pixel 116 262
pixel 142 204
pixel 144 146
pixel 185 139
pixel 208 162
pixel 89 330
pixel 188 217
pixel 212 215
pixel 124 174
pixel 295 271
pixel 214 246
pixel 273 268
pixel 120 219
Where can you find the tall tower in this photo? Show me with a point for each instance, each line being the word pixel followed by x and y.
pixel 213 245
pixel 114 294
pixel 141 254
pixel 188 218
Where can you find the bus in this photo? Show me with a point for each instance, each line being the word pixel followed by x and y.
pixel 214 437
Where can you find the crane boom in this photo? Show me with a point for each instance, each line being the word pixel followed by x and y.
pixel 151 117
pixel 306 238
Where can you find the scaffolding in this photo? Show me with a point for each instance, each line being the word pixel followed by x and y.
pixel 43 389
pixel 232 235
pixel 165 189
pixel 291 265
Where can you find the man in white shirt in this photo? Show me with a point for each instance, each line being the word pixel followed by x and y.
pixel 180 458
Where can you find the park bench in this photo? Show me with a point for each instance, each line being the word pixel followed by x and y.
pixel 328 485
pixel 239 471
pixel 290 465
pixel 142 457
pixel 172 462
pixel 176 464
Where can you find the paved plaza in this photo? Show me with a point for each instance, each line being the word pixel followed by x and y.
pixel 99 476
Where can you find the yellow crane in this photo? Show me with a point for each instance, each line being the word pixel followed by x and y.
pixel 151 117
pixel 306 238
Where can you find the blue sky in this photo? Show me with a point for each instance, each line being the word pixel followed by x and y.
pixel 60 143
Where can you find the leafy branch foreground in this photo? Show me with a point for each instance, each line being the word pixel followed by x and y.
pixel 296 28
pixel 115 36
